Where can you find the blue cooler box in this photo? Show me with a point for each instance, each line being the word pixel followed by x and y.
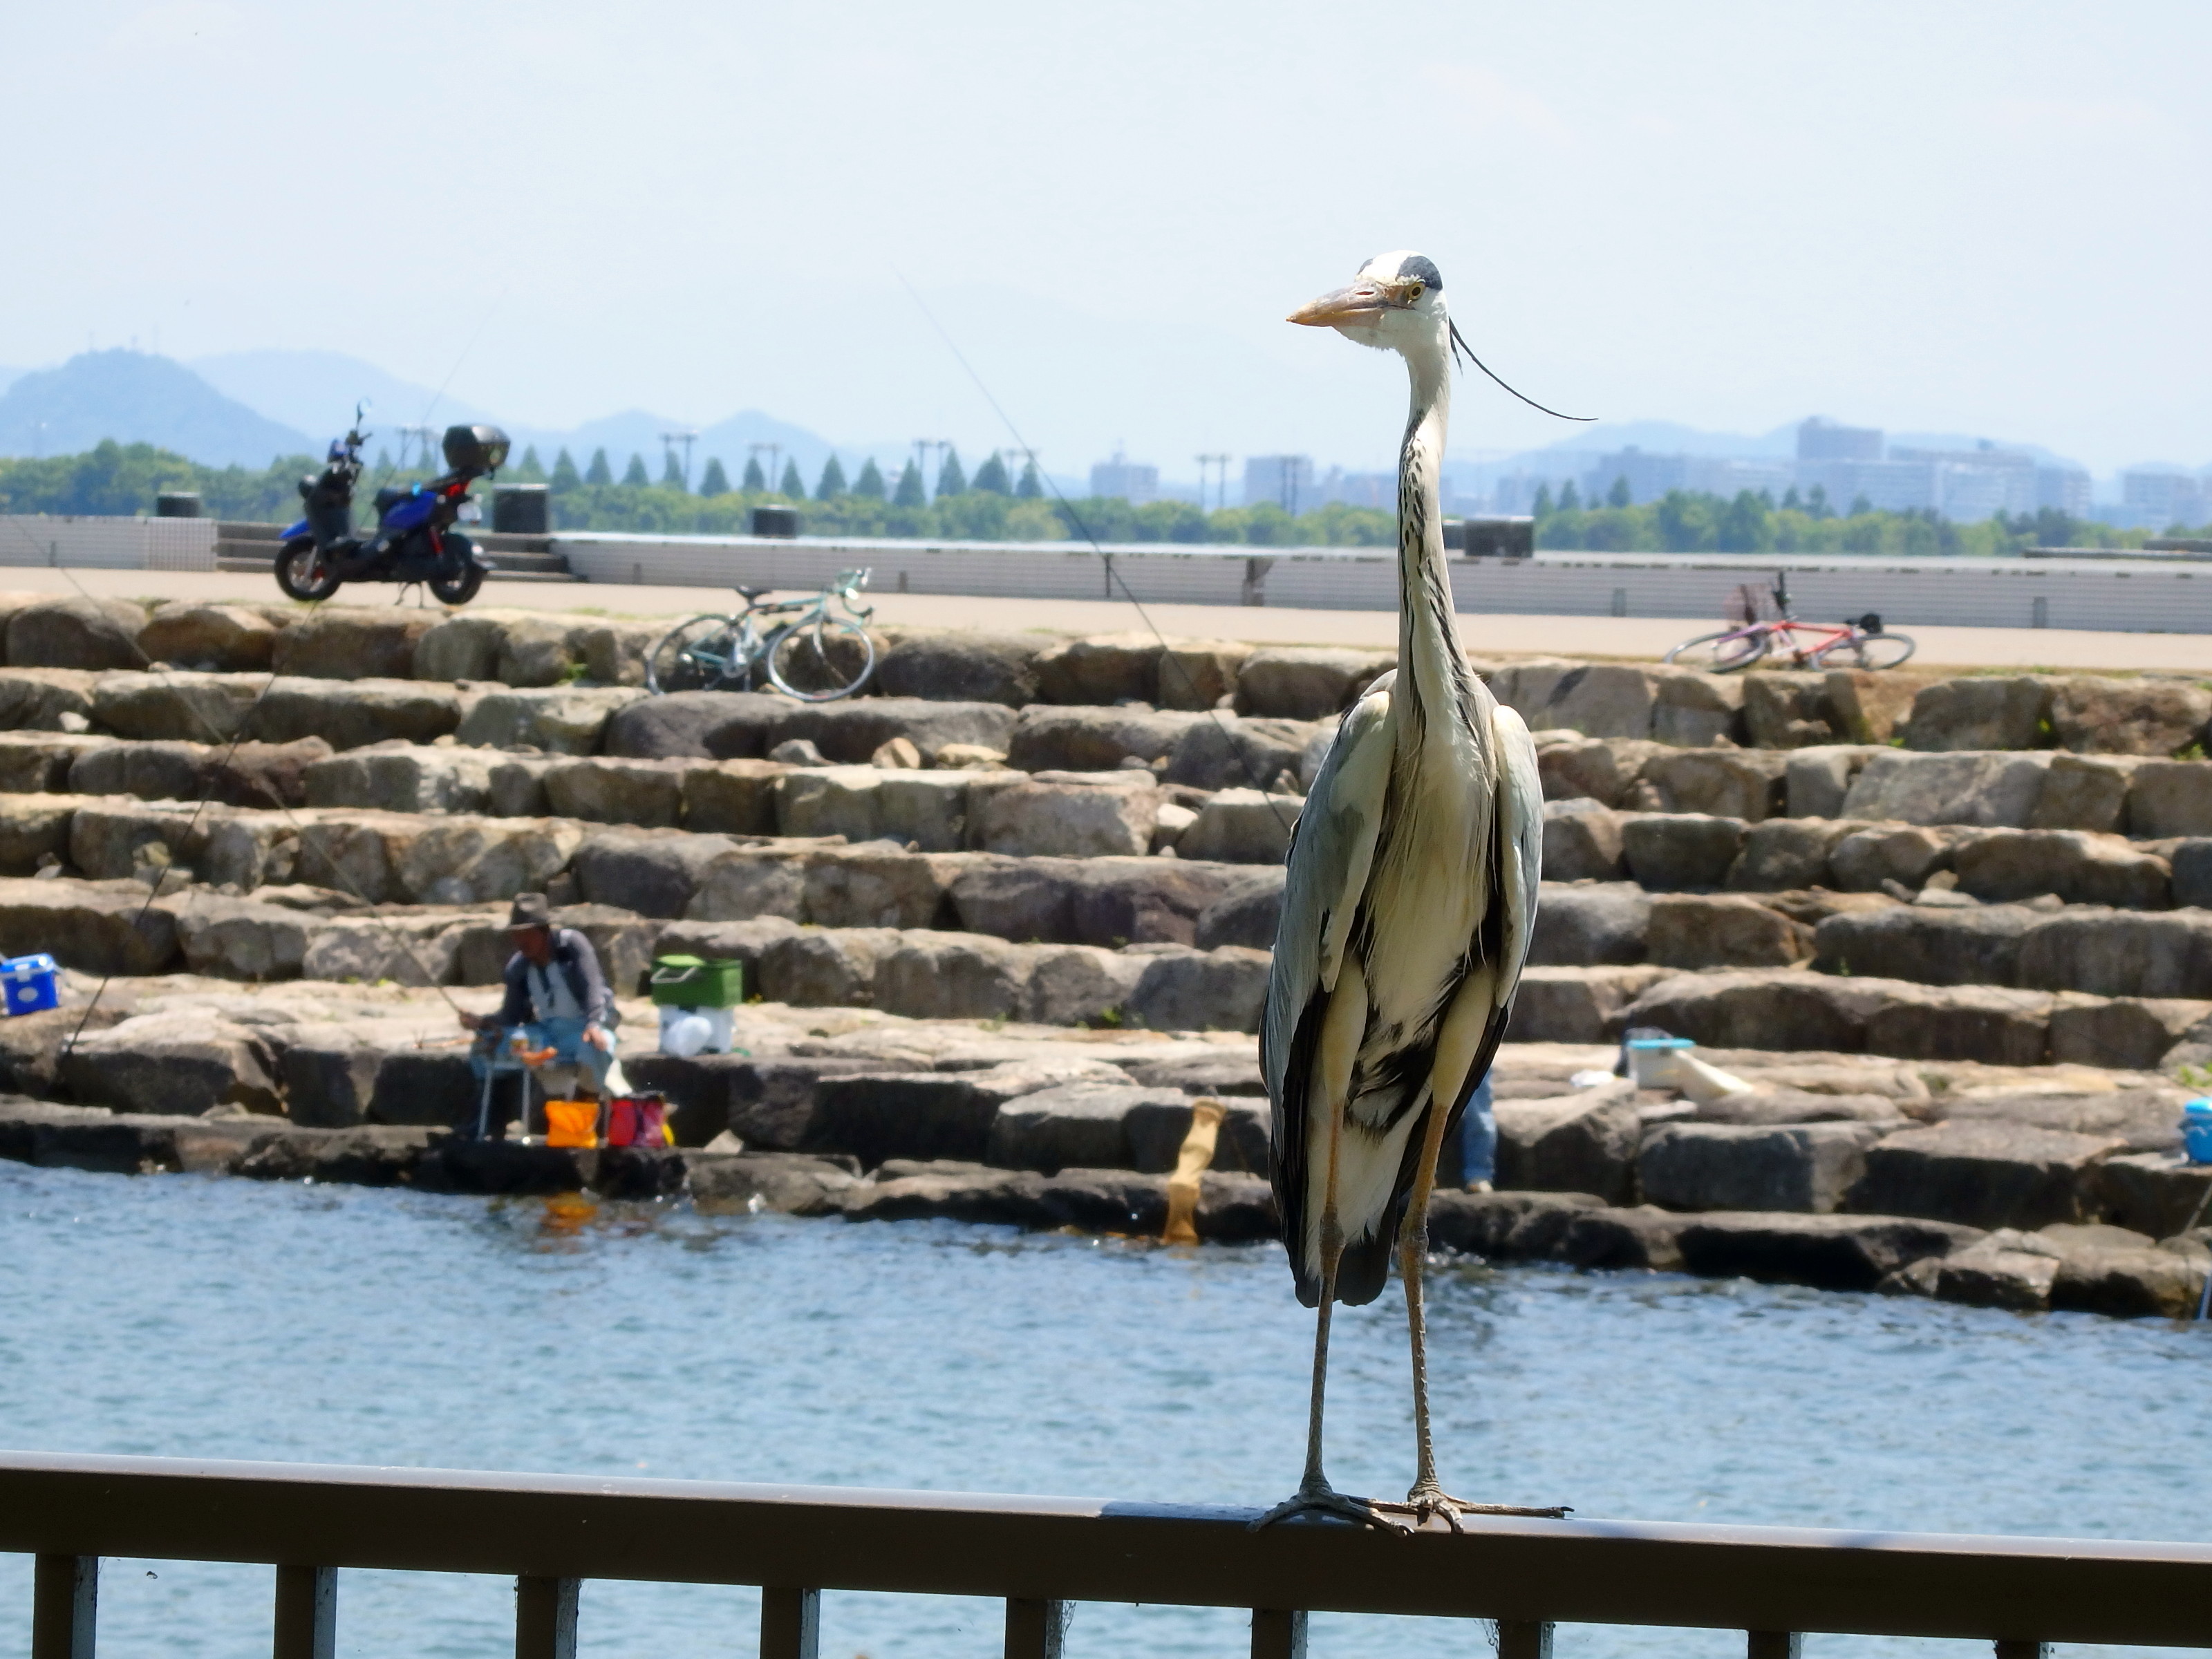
pixel 31 983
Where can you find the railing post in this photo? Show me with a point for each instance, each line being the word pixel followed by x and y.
pixel 2016 1649
pixel 1524 1639
pixel 307 1612
pixel 1277 1634
pixel 1774 1644
pixel 791 1623
pixel 545 1618
pixel 64 1598
pixel 1035 1630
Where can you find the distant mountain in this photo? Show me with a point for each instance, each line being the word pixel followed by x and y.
pixel 316 390
pixel 1667 437
pixel 135 396
pixel 7 374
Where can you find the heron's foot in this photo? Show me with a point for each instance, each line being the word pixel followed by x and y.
pixel 1317 1497
pixel 1428 1500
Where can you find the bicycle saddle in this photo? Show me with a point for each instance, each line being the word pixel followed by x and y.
pixel 748 594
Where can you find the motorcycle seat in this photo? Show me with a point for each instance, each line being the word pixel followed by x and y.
pixel 388 497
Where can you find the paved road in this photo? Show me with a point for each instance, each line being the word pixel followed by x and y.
pixel 1567 636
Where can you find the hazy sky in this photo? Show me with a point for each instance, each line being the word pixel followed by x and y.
pixel 1987 217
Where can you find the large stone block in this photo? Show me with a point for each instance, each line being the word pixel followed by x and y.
pixel 240 939
pixel 1049 739
pixel 1241 826
pixel 1182 990
pixel 1580 1143
pixel 1997 866
pixel 36 699
pixel 1226 752
pixel 462 646
pixel 2119 953
pixel 150 771
pixel 1980 713
pixel 174 1065
pixel 1076 816
pixel 1582 842
pixel 953 976
pixel 1724 930
pixel 2156 1194
pixel 110 837
pixel 850 733
pixel 2129 1284
pixel 1832 1252
pixel 332 643
pixel 926 810
pixel 1602 769
pixel 1249 913
pixel 732 798
pixel 1750 784
pixel 1789 710
pixel 1576 1005
pixel 33 829
pixel 1772 1008
pixel 1987 791
pixel 353 715
pixel 1867 706
pixel 1986 1023
pixel 1818 781
pixel 1698 711
pixel 1075 1126
pixel 1599 699
pixel 2131 1034
pixel 402 777
pixel 407 950
pixel 1866 858
pixel 95 929
pixel 176 706
pixel 219 639
pixel 744 882
pixel 826 970
pixel 1980 946
pixel 1783 854
pixel 652 872
pixel 1984 1174
pixel 1079 985
pixel 466 860
pixel 2085 792
pixel 2170 798
pixel 1585 926
pixel 35 762
pixel 879 1116
pixel 535 650
pixel 707 724
pixel 1306 683
pixel 2090 714
pixel 956 665
pixel 648 793
pixel 1201 673
pixel 77 632
pixel 1109 668
pixel 1158 1125
pixel 876 887
pixel 1803 1167
pixel 1667 851
pixel 561 721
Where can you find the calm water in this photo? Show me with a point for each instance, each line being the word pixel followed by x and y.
pixel 177 1315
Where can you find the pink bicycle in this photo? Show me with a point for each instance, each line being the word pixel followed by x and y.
pixel 1762 622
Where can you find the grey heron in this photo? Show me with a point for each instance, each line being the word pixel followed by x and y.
pixel 1407 911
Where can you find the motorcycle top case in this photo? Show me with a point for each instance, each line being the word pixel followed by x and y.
pixel 476 448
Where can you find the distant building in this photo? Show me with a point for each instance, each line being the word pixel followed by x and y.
pixel 1285 480
pixel 1373 490
pixel 2158 500
pixel 1821 440
pixel 1886 486
pixel 2064 488
pixel 1974 483
pixel 1130 481
pixel 1650 477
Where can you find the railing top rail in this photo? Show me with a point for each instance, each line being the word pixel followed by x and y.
pixel 1065 1549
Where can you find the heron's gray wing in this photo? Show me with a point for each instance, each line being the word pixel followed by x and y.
pixel 1332 851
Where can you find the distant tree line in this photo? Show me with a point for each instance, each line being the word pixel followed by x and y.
pixel 1683 522
pixel 995 505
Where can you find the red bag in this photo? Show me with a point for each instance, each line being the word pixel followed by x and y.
pixel 638 1120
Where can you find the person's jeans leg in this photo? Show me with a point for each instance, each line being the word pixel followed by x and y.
pixel 1478 1132
pixel 566 1038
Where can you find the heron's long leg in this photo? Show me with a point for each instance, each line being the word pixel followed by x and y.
pixel 1456 1044
pixel 1343 1027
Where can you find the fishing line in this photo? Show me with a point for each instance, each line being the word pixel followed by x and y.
pixel 1167 653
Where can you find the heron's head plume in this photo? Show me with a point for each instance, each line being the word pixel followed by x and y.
pixel 1396 302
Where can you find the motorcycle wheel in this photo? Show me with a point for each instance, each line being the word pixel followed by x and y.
pixel 304 573
pixel 458 589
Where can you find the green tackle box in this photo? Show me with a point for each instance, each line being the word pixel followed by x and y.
pixel 695 983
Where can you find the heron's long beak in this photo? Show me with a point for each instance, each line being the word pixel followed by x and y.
pixel 1362 302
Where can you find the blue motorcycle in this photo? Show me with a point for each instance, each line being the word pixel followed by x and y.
pixel 413 542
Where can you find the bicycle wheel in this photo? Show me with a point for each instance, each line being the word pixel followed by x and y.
pixel 1867 651
pixel 1721 654
pixel 818 660
pixel 698 655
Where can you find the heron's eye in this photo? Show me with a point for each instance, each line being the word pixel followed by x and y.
pixel 1412 290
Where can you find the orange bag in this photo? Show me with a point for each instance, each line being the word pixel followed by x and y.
pixel 571 1123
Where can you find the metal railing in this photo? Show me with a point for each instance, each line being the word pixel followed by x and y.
pixel 1040 1554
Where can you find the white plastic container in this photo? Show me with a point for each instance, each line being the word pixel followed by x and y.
pixel 687 1031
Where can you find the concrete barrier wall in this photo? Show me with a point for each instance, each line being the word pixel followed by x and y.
pixel 2145 598
pixel 107 544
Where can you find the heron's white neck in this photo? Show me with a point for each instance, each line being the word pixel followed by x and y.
pixel 1432 670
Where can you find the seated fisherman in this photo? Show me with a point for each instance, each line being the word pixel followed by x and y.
pixel 557 998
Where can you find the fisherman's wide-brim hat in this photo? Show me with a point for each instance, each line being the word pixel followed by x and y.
pixel 530 910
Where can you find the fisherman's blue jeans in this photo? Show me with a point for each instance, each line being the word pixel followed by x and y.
pixel 564 1036
pixel 1478 1137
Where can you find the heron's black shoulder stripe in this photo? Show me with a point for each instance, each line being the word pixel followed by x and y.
pixel 1423 268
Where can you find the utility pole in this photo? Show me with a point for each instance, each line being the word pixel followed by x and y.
pixel 775 454
pixel 921 448
pixel 1220 463
pixel 670 440
pixel 421 433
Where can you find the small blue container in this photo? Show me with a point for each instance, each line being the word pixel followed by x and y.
pixel 2197 1131
pixel 33 982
